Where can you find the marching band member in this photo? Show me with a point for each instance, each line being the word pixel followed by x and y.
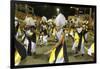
pixel 76 41
pixel 20 51
pixel 80 48
pixel 30 34
pixel 58 54
pixel 44 34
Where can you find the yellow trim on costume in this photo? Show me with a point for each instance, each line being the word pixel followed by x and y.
pixel 54 32
pixel 71 32
pixel 82 39
pixel 52 56
pixel 17 58
pixel 92 47
pixel 76 37
pixel 60 55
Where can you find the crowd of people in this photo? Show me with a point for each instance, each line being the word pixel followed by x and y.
pixel 31 32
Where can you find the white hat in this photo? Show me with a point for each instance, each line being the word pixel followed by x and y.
pixel 60 20
pixel 29 21
pixel 44 19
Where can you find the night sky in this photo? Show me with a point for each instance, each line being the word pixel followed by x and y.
pixel 50 10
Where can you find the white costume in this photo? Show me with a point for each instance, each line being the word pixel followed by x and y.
pixel 91 50
pixel 60 22
pixel 29 21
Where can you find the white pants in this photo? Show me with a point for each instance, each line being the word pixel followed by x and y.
pixel 82 48
pixel 33 47
pixel 86 36
pixel 90 51
pixel 74 46
pixel 45 39
pixel 60 60
pixel 26 42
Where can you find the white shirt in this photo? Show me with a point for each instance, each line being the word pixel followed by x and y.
pixel 58 34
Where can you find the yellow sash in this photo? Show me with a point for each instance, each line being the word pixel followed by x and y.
pixel 17 58
pixel 52 56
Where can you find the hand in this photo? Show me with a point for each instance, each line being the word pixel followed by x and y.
pixel 48 52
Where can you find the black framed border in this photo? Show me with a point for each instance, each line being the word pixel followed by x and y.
pixel 12 13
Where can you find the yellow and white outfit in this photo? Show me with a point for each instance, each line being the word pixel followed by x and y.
pixel 76 41
pixel 17 58
pixel 60 56
pixel 33 47
pixel 91 50
pixel 21 38
pixel 72 32
pixel 59 50
pixel 52 56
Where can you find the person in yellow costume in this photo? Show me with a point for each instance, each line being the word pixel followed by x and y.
pixel 78 46
pixel 58 54
pixel 76 41
pixel 59 58
pixel 20 51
